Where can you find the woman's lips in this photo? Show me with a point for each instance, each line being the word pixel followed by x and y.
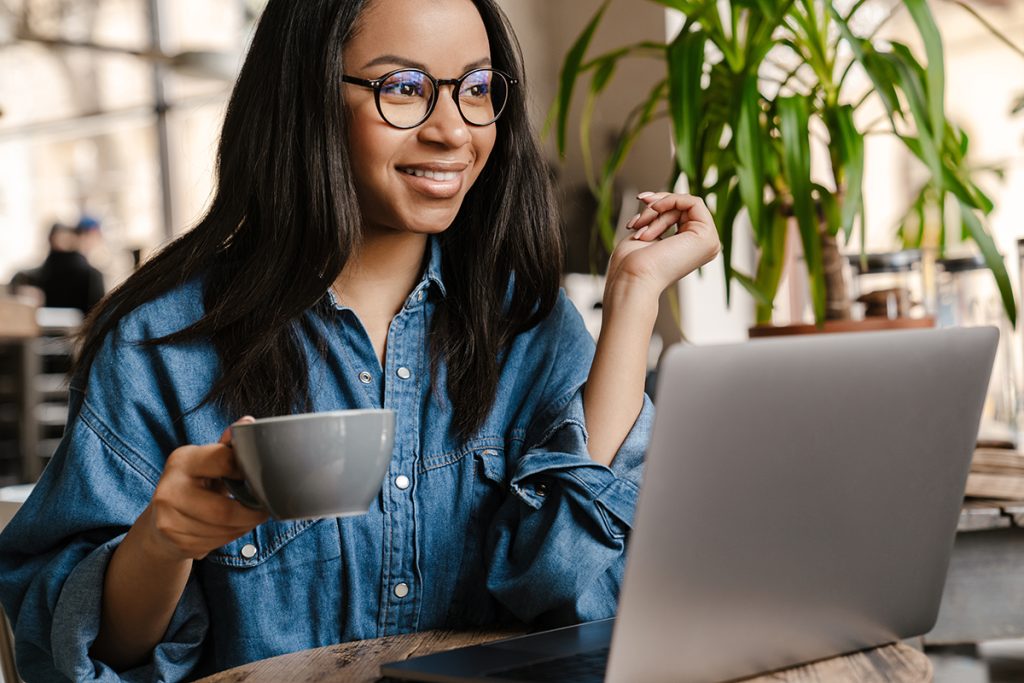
pixel 437 183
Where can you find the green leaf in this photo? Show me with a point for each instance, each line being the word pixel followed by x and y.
pixel 750 152
pixel 685 68
pixel 953 179
pixel 852 146
pixel 912 83
pixel 863 51
pixel 607 202
pixel 760 298
pixel 853 10
pixel 936 70
pixel 686 7
pixel 794 116
pixel 570 73
pixel 606 207
pixel 773 258
pixel 993 259
pixel 829 207
pixel 727 207
pixel 597 84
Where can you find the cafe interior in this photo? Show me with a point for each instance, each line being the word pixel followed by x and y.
pixel 110 113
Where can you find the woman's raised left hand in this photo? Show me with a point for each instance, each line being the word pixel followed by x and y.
pixel 648 259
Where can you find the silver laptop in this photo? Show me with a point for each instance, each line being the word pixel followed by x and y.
pixel 800 500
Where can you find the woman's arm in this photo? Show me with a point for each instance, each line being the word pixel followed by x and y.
pixel 641 267
pixel 188 517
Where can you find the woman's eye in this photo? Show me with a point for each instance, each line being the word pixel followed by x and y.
pixel 404 88
pixel 476 90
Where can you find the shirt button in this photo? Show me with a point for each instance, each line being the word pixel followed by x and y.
pixel 541 489
pixel 419 295
pixel 489 452
pixel 248 551
pixel 401 590
pixel 365 377
pixel 404 373
pixel 402 482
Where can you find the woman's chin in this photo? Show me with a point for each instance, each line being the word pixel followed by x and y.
pixel 429 225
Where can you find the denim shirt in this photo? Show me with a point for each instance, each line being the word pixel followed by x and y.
pixel 516 523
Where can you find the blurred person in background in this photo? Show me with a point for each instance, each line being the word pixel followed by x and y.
pixel 65 278
pixel 90 237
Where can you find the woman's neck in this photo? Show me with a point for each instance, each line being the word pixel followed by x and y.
pixel 379 276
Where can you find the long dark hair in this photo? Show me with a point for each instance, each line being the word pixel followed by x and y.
pixel 285 213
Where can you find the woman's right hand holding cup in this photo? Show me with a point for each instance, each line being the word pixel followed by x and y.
pixel 190 513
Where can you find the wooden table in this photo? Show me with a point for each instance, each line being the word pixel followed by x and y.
pixel 984 594
pixel 359 662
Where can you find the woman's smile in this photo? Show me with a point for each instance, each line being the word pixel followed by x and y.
pixel 437 180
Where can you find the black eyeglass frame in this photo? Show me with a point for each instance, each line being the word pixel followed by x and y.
pixel 376 83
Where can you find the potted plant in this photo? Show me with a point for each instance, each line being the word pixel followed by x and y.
pixel 749 83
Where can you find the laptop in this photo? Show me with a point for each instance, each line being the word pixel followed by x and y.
pixel 800 500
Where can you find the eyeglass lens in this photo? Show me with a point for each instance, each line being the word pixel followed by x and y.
pixel 405 97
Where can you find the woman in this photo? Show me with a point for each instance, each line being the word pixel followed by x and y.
pixel 363 249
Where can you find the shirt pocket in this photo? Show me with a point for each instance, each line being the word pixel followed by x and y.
pixel 273 589
pixel 476 479
pixel 260 544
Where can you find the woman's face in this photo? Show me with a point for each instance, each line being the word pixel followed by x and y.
pixel 445 38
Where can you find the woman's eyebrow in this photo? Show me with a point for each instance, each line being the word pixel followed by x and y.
pixel 402 61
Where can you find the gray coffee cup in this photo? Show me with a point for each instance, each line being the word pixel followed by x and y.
pixel 313 465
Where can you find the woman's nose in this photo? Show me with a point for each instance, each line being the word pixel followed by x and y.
pixel 445 124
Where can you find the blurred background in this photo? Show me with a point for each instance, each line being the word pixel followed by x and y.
pixel 111 109
pixel 110 112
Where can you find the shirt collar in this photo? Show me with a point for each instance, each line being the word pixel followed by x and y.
pixel 433 269
pixel 431 275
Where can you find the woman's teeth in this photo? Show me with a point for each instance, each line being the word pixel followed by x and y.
pixel 432 175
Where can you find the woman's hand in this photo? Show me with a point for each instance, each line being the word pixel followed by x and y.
pixel 641 267
pixel 188 516
pixel 190 513
pixel 649 259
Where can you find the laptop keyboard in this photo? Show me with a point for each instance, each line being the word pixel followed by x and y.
pixel 583 667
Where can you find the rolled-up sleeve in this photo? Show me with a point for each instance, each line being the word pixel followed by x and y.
pixel 557 543
pixel 54 556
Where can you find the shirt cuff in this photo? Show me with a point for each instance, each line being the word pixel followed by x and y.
pixel 76 622
pixel 562 454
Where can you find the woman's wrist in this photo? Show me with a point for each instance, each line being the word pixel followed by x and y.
pixel 145 538
pixel 627 292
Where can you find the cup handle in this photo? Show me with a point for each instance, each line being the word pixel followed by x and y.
pixel 239 489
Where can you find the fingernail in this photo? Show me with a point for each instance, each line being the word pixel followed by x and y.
pixel 644 195
pixel 632 222
pixel 639 233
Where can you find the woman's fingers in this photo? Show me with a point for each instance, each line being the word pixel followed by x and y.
pixel 651 257
pixel 661 203
pixel 225 437
pixel 219 512
pixel 212 461
pixel 191 512
pixel 659 225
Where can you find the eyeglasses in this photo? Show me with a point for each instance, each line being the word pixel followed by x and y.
pixel 407 97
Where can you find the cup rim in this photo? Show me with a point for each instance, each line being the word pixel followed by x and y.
pixel 308 416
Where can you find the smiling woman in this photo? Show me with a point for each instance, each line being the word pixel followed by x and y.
pixel 382 236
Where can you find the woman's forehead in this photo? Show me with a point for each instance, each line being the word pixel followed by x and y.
pixel 442 35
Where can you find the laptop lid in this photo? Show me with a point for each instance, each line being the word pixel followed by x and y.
pixel 800 500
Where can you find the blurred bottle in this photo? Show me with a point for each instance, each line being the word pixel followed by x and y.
pixel 968 296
